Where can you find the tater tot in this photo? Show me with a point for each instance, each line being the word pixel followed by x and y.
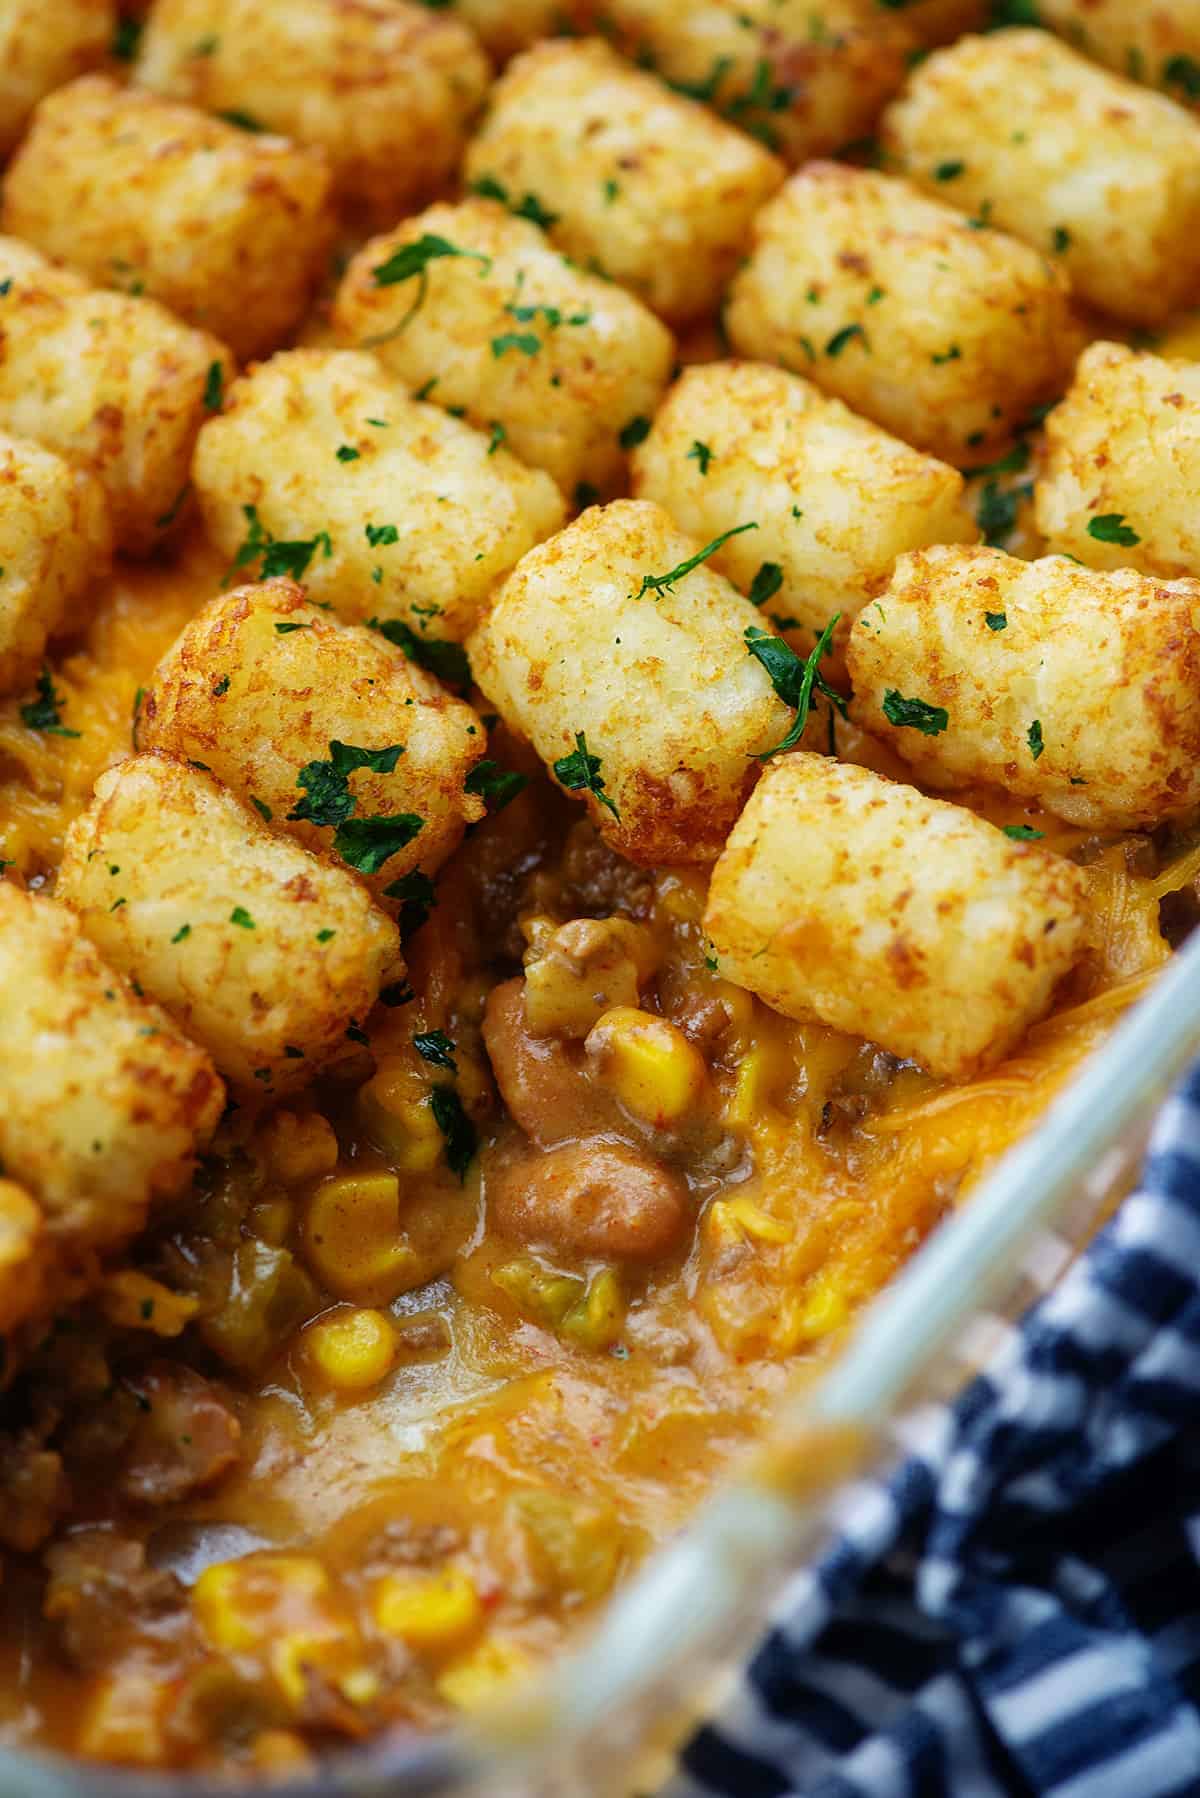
pixel 55 541
pixel 799 90
pixel 1155 41
pixel 636 182
pixel 103 1105
pixel 260 685
pixel 112 382
pixel 938 21
pixel 946 335
pixel 1078 689
pixel 1093 171
pixel 506 26
pixel 41 47
pixel 836 498
pixel 407 512
pixel 227 228
pixel 258 950
pixel 551 361
pixel 387 90
pixel 850 898
pixel 1119 478
pixel 658 683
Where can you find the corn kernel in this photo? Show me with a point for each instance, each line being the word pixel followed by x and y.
pixel 649 1063
pixel 542 1296
pixel 280 1751
pixel 596 1320
pixel 742 1104
pixel 433 1613
pixel 134 1301
pixel 395 1109
pixel 298 1147
pixel 478 1678
pixel 284 1609
pixel 351 1350
pixel 353 1241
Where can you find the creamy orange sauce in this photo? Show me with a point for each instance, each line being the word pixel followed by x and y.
pixel 538 1465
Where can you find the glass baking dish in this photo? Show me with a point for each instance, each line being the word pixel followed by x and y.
pixel 607 1719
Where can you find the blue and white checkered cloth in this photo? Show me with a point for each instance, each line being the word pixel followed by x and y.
pixel 1016 1609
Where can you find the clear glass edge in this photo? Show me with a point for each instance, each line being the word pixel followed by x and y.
pixel 704 1595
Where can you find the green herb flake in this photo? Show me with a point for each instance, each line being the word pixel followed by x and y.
pixel 241 917
pixel 45 712
pixel 436 1047
pixel 953 354
pixel 498 436
pixel 1023 833
pixel 284 627
pixel 665 583
pixel 126 38
pixel 346 452
pixel 1110 527
pixel 496 786
pixel 456 1127
pixel 1183 72
pixel 635 432
pixel 914 714
pixel 326 935
pixel 701 454
pixel 525 341
pixel 1033 736
pixel 416 893
pixel 214 387
pixel 840 339
pixel 794 678
pixel 948 171
pixel 1061 239
pixel 580 771
pixel 262 808
pixel 996 621
pixel 365 844
pixel 378 535
pixel 448 661
pixel 765 584
pixel 221 687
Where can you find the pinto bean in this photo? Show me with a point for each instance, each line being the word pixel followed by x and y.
pixel 541 1081
pixel 594 1198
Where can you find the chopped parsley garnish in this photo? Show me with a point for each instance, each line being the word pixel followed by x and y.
pixel 167 518
pixel 285 626
pixel 1183 72
pixel 414 259
pixel 526 341
pixel 381 534
pixel 1033 736
pixel 953 354
pixel 840 339
pixel 914 714
pixel 585 494
pixel 126 38
pixel 45 712
pixel 222 686
pixel 184 931
pixel 496 786
pixel 416 894
pixel 1110 527
pixel 346 452
pixel 245 121
pixel 665 583
pixel 580 771
pixel 241 917
pixel 765 584
pixel 611 190
pixel 448 661
pixel 1061 239
pixel 436 1047
pixel 1015 462
pixel 997 512
pixel 531 208
pixel 701 453
pixel 367 843
pixel 794 678
pixel 280 556
pixel 455 1126
pixel 876 294
pixel 1023 833
pixel 262 808
pixel 326 935
pixel 498 436
pixel 635 432
pixel 948 171
pixel 996 621
pixel 214 387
